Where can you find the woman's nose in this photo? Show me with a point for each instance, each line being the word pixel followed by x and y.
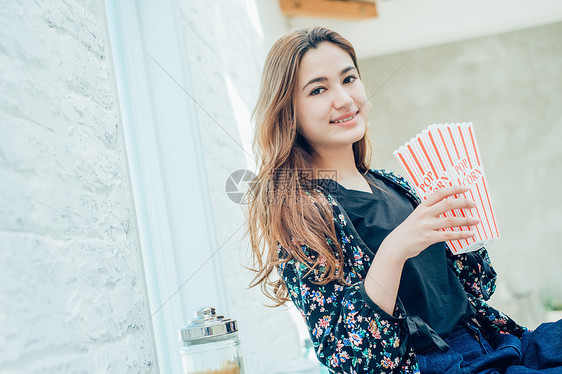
pixel 341 98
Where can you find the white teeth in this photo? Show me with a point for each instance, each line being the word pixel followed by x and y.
pixel 345 119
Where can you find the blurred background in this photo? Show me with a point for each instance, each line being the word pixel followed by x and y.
pixel 123 122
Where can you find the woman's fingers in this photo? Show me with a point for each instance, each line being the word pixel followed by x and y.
pixel 428 225
pixel 446 222
pixel 445 236
pixel 446 205
pixel 443 193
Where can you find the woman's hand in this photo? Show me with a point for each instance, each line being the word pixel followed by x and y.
pixel 424 226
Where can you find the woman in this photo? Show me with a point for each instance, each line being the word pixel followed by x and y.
pixel 355 250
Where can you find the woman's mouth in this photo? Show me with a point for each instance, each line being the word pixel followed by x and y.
pixel 348 118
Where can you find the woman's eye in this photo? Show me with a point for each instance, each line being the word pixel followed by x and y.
pixel 349 79
pixel 317 91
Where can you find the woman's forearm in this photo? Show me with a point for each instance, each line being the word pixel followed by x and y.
pixel 383 278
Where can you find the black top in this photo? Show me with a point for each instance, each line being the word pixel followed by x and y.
pixel 428 288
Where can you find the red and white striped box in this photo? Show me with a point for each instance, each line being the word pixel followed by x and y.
pixel 446 155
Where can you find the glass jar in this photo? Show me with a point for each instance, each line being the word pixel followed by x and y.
pixel 210 344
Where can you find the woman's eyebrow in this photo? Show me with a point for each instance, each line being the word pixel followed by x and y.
pixel 324 79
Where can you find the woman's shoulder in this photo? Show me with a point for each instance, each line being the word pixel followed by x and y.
pixel 391 175
pixel 397 180
pixel 386 173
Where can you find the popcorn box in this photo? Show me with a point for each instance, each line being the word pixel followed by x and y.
pixel 446 155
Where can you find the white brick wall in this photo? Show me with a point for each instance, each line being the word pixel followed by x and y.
pixel 72 295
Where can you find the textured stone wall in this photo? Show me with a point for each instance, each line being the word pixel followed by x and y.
pixel 72 295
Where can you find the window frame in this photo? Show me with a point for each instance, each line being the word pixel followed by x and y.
pixel 167 171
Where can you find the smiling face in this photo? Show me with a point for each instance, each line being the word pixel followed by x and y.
pixel 329 98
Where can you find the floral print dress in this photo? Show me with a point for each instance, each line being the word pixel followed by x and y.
pixel 351 334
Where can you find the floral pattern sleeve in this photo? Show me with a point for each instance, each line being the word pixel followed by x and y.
pixel 478 278
pixel 350 333
pixel 475 271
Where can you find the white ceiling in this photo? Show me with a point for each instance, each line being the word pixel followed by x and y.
pixel 409 24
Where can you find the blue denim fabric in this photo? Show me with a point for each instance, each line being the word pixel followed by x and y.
pixel 539 351
pixel 542 350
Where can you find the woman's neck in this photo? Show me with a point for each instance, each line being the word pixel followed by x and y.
pixel 337 164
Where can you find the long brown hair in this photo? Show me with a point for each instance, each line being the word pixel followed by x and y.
pixel 284 211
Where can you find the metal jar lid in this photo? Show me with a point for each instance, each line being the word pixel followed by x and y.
pixel 207 324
